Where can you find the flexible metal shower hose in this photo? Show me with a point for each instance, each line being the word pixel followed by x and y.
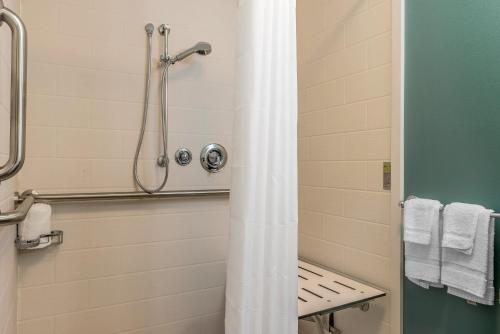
pixel 164 121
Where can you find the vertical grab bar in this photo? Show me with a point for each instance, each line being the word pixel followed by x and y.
pixel 17 94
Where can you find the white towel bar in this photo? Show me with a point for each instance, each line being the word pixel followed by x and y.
pixel 494 215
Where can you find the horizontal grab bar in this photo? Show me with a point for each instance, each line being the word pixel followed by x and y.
pixel 26 200
pixel 117 196
pixel 17 215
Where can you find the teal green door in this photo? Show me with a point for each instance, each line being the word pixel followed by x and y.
pixel 452 136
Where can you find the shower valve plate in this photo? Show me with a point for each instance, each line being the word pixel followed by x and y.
pixel 322 291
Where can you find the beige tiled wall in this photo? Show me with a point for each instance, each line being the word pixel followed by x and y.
pixel 86 87
pixel 148 267
pixel 8 254
pixel 128 269
pixel 344 138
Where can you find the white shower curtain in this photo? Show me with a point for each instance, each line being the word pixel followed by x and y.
pixel 261 293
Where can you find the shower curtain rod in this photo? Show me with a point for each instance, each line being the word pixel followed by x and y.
pixel 116 196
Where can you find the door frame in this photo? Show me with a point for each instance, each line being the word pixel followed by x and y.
pixel 397 159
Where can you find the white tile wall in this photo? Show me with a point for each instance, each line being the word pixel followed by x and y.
pixel 86 87
pixel 344 137
pixel 156 268
pixel 8 254
pixel 135 268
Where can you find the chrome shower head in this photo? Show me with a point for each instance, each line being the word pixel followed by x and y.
pixel 201 48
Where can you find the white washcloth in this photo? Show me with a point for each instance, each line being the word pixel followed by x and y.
pixel 423 262
pixel 38 222
pixel 420 215
pixel 470 273
pixel 460 225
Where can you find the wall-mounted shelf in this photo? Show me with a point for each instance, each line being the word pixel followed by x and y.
pixel 54 238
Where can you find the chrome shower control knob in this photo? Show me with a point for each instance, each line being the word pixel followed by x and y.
pixel 183 156
pixel 213 158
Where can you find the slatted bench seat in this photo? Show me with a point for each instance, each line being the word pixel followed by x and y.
pixel 324 292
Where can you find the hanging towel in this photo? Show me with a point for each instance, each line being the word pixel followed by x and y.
pixel 459 229
pixel 470 273
pixel 420 215
pixel 489 297
pixel 38 222
pixel 423 262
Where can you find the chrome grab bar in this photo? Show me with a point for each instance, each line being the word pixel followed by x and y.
pixel 18 215
pixel 118 196
pixel 26 200
pixel 17 94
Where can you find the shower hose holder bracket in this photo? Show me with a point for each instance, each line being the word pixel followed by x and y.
pixel 166 59
pixel 163 161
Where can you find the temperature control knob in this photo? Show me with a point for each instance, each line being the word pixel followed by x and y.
pixel 213 157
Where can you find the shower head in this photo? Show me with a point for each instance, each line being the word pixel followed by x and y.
pixel 201 48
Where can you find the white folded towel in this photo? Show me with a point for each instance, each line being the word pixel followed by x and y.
pixel 471 273
pixel 38 222
pixel 460 224
pixel 420 215
pixel 423 262
pixel 489 296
